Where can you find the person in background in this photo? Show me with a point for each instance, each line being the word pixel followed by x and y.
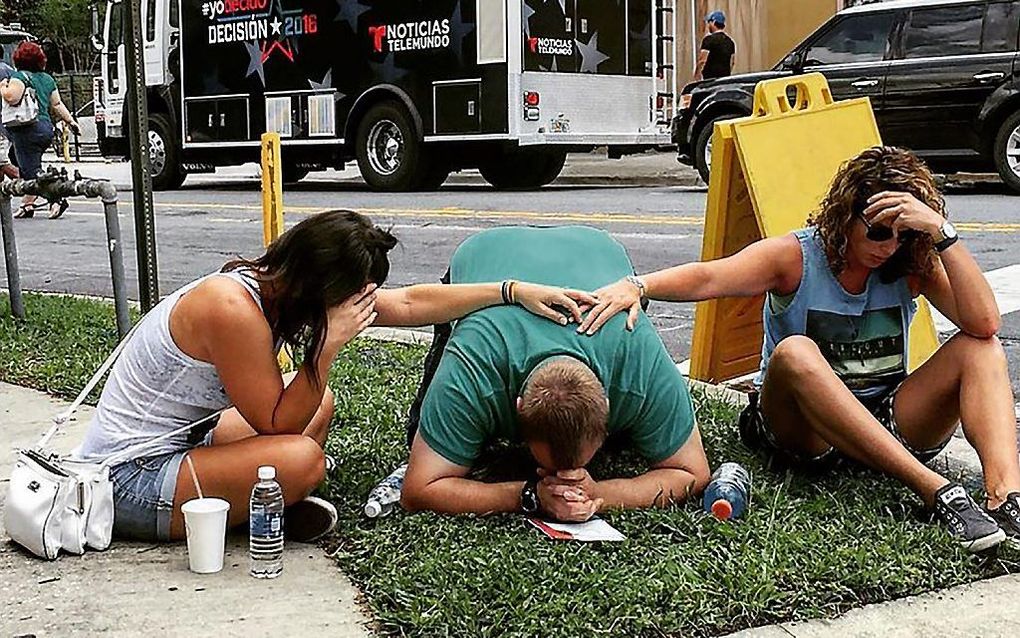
pixel 7 168
pixel 715 60
pixel 32 140
pixel 839 298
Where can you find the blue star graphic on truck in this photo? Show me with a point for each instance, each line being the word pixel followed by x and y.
pixel 387 69
pixel 326 84
pixel 458 32
pixel 349 11
pixel 255 65
pixel 591 57
pixel 526 17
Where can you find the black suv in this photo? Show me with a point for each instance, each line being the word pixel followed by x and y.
pixel 943 77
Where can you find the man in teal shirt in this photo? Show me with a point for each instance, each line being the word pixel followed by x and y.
pixel 505 374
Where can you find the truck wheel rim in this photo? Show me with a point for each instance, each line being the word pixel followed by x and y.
pixel 1013 151
pixel 708 154
pixel 157 153
pixel 385 147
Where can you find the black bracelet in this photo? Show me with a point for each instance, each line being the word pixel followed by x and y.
pixel 504 292
pixel 946 243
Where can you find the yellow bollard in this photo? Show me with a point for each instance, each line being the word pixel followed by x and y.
pixel 272 188
pixel 65 142
pixel 272 209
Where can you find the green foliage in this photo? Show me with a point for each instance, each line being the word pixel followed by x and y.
pixel 810 546
pixel 64 23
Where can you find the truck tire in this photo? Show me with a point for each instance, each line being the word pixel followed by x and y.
pixel 523 169
pixel 703 146
pixel 1006 151
pixel 164 156
pixel 390 155
pixel 553 166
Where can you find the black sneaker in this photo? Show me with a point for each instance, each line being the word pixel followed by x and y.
pixel 309 520
pixel 1007 516
pixel 967 522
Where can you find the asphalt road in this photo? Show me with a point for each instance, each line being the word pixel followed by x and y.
pixel 214 219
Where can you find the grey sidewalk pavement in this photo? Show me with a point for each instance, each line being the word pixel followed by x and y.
pixel 136 589
pixel 646 169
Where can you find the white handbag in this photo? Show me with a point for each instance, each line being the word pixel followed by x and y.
pixel 25 112
pixel 55 502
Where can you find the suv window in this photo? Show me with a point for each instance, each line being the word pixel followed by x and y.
pixel 1000 31
pixel 859 38
pixel 943 32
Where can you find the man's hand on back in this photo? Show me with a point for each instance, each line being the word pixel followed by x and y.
pixel 569 495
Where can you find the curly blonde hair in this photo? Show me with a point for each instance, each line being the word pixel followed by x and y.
pixel 877 169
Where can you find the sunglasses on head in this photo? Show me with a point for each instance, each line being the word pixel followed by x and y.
pixel 885 233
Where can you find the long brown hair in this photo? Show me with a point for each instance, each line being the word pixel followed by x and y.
pixel 316 265
pixel 877 169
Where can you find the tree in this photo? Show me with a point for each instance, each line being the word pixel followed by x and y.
pixel 64 24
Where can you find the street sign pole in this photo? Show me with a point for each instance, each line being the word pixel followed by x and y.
pixel 141 178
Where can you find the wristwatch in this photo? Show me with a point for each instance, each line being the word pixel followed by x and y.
pixel 529 497
pixel 634 279
pixel 949 236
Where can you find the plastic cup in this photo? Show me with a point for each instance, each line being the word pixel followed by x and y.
pixel 205 520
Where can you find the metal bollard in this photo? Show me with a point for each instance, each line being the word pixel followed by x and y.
pixel 116 249
pixel 11 257
pixel 53 185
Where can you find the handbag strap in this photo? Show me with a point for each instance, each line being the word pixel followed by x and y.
pixel 62 418
pixel 130 452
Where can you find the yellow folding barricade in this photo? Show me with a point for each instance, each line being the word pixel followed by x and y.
pixel 770 171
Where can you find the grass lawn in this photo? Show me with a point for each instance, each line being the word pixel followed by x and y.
pixel 809 546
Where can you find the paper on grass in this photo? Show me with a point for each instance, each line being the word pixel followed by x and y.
pixel 594 530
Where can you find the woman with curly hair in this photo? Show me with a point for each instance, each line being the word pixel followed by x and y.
pixel 840 296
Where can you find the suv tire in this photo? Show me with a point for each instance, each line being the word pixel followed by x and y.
pixel 390 155
pixel 164 156
pixel 1006 151
pixel 703 148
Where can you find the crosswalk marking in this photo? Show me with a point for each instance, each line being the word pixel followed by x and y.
pixel 1005 283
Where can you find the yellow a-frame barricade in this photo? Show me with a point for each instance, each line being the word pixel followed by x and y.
pixel 770 171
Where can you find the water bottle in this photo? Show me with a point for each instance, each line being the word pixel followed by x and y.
pixel 265 525
pixel 386 494
pixel 729 491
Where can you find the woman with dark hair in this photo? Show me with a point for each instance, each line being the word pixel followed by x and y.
pixel 214 343
pixel 32 140
pixel 840 295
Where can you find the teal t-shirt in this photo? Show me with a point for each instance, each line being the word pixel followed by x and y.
pixel 44 86
pixel 472 397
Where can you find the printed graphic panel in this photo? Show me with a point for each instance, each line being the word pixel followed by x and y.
pixel 549 35
pixel 253 47
pixel 601 36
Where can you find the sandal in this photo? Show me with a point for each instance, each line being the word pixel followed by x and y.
pixel 24 211
pixel 57 208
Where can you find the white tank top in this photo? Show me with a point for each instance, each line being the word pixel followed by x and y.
pixel 154 387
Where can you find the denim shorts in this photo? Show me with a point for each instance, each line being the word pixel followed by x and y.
pixel 757 434
pixel 143 494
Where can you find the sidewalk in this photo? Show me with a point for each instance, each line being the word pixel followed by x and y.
pixel 588 169
pixel 136 589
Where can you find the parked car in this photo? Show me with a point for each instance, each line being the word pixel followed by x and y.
pixel 943 77
pixel 11 35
